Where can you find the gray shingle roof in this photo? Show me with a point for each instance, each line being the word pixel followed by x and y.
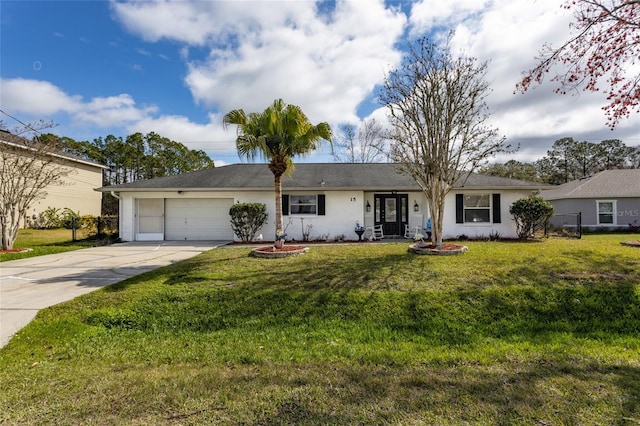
pixel 328 176
pixel 606 184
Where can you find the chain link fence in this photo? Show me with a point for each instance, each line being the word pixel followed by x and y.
pixel 92 227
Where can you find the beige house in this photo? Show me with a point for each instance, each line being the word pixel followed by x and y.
pixel 77 191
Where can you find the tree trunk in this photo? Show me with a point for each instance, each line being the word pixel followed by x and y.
pixel 435 194
pixel 10 226
pixel 279 236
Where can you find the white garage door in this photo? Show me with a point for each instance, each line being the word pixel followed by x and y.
pixel 197 219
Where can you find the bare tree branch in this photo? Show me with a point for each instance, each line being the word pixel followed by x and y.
pixel 27 167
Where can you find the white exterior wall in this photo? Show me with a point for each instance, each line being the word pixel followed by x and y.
pixel 128 219
pixel 342 210
pixel 506 229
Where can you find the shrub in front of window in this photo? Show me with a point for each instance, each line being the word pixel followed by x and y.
pixel 247 219
pixel 530 214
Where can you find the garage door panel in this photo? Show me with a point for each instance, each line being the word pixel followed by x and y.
pixel 198 219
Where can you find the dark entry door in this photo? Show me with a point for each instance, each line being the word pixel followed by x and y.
pixel 391 212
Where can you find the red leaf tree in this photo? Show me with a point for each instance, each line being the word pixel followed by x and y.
pixel 605 46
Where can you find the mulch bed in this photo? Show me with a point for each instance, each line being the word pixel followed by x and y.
pixel 443 250
pixel 271 252
pixel 631 243
pixel 15 250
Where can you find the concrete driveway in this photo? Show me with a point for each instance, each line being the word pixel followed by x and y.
pixel 27 285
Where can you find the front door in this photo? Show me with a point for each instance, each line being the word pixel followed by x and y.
pixel 391 212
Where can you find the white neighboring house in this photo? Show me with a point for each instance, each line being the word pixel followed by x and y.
pixel 330 197
pixel 609 199
pixel 77 190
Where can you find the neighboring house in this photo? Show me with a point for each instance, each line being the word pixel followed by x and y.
pixel 329 197
pixel 609 199
pixel 77 191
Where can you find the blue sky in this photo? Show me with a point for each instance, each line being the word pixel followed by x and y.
pixel 176 67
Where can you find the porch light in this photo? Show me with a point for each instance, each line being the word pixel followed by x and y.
pixel 416 207
pixel 368 206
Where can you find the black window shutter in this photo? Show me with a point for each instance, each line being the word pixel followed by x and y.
pixel 496 208
pixel 320 204
pixel 285 205
pixel 459 208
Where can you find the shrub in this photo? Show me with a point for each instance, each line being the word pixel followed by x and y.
pixel 530 214
pixel 48 219
pixel 247 219
pixel 69 219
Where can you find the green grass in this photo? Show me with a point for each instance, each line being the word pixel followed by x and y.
pixel 508 333
pixel 46 241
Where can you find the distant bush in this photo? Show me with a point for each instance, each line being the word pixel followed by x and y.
pixel 48 219
pixel 247 219
pixel 530 214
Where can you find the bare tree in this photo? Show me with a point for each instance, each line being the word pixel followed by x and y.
pixel 27 168
pixel 363 144
pixel 439 116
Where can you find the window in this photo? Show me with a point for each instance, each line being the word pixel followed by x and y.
pixel 303 204
pixel 477 208
pixel 606 212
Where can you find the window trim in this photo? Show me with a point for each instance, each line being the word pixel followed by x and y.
pixel 614 214
pixel 494 208
pixel 313 205
pixel 319 204
pixel 488 209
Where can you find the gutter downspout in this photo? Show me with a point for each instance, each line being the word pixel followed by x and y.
pixel 117 197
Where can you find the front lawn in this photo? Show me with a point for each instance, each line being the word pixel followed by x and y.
pixel 508 333
pixel 47 241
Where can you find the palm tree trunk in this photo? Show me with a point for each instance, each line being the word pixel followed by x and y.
pixel 279 237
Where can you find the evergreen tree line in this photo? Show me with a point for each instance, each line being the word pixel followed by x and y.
pixel 136 157
pixel 569 160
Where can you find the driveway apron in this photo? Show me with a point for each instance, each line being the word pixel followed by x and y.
pixel 28 285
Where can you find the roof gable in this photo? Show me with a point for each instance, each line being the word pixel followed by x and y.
pixel 307 176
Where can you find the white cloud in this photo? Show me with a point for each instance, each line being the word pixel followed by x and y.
pixel 113 111
pixel 427 14
pixel 35 97
pixel 327 66
pixel 198 22
pixel 211 136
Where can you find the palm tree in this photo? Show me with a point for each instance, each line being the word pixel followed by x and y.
pixel 277 134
